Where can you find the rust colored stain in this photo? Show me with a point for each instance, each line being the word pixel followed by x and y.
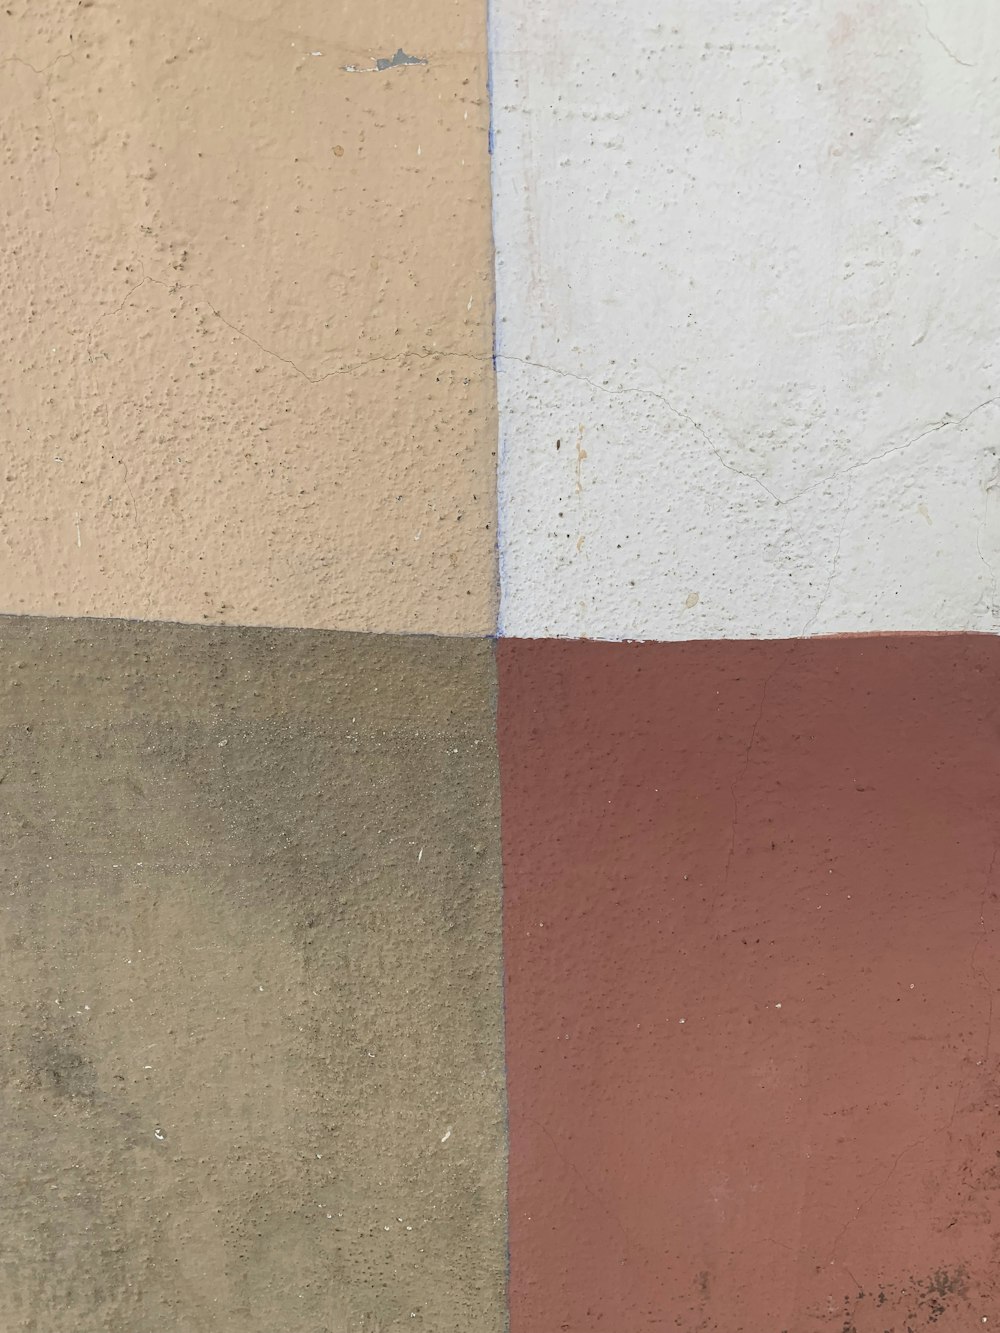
pixel 751 950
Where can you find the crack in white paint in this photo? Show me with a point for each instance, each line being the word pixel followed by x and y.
pixel 968 64
pixel 945 422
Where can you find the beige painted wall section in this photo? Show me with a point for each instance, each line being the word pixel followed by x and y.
pixel 246 313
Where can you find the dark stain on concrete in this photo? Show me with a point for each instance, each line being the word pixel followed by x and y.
pixel 751 934
pixel 251 1054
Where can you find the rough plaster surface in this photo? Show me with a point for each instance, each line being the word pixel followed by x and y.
pixel 246 313
pixel 747 257
pixel 251 1052
pixel 751 930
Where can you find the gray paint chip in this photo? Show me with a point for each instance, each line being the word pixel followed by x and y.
pixel 387 62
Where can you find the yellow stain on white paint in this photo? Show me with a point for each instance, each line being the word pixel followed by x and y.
pixel 581 455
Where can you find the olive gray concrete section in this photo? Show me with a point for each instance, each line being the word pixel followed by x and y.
pixel 251 1054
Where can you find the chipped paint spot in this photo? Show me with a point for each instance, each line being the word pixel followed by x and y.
pixel 387 62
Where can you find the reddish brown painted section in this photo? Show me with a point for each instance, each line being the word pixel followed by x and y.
pixel 694 835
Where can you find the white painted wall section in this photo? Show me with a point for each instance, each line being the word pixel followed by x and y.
pixel 748 328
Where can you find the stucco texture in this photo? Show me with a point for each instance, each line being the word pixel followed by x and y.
pixel 748 341
pixel 246 314
pixel 251 1066
pixel 751 929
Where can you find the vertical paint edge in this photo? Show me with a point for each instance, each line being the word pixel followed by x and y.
pixel 491 55
pixel 495 649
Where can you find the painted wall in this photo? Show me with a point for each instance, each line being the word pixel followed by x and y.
pixel 747 257
pixel 377 952
pixel 746 263
pixel 246 306
pixel 751 940
pixel 251 1067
